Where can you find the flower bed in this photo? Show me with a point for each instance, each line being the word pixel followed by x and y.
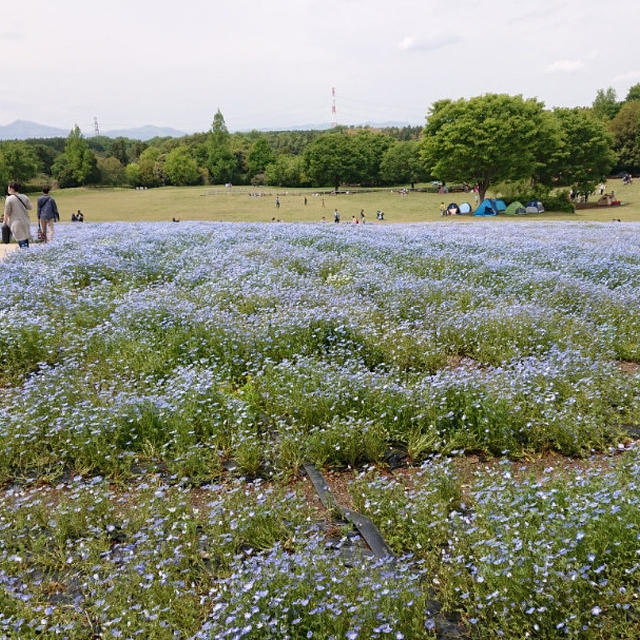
pixel 162 358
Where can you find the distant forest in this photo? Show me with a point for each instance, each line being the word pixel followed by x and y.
pixel 214 157
pixel 582 137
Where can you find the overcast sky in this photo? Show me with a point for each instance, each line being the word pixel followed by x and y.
pixel 273 64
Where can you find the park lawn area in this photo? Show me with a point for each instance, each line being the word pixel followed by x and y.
pixel 237 205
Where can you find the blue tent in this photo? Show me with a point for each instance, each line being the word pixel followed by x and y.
pixel 501 207
pixel 486 208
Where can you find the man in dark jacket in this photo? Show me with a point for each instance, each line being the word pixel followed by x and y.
pixel 47 214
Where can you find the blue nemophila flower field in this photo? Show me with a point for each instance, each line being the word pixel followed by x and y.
pixel 156 560
pixel 181 348
pixel 169 358
pixel 553 555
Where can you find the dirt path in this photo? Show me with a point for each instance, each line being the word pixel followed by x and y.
pixel 6 249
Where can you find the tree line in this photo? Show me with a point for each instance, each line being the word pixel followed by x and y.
pixel 278 158
pixel 484 140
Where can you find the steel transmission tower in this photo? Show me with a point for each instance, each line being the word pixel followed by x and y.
pixel 96 128
pixel 334 119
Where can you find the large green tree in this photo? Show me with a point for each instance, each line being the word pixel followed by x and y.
pixel 80 160
pixel 260 155
pixel 483 140
pixel 402 164
pixel 133 174
pixel 370 147
pixel 286 171
pixel 222 162
pixel 633 93
pixel 136 150
pixel 118 150
pixel 46 156
pixel 151 164
pixel 606 104
pixel 625 128
pixel 551 151
pixel 111 171
pixel 180 167
pixel 333 159
pixel 20 161
pixel 588 154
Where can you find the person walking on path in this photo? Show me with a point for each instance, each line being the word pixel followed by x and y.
pixel 47 214
pixel 277 202
pixel 16 214
pixel 336 216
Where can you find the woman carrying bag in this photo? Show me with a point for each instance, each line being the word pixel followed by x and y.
pixel 16 215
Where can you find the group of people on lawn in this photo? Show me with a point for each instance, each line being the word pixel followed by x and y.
pixel 16 215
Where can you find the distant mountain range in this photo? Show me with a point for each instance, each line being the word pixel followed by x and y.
pixel 23 129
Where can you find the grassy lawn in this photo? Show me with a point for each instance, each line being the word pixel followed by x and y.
pixel 237 205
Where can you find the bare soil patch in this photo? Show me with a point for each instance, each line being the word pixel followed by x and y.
pixel 629 367
pixel 463 362
pixel 549 464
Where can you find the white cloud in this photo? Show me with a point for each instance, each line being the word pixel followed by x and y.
pixel 629 76
pixel 411 43
pixel 407 43
pixel 565 66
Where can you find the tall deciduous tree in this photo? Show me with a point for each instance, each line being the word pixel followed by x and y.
pixel 483 140
pixel 80 160
pixel 260 155
pixel 286 171
pixel 221 161
pixel 180 167
pixel 20 161
pixel 633 93
pixel 370 147
pixel 46 156
pixel 625 128
pixel 606 104
pixel 111 171
pixel 333 159
pixel 151 165
pixel 588 155
pixel 118 150
pixel 133 174
pixel 401 164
